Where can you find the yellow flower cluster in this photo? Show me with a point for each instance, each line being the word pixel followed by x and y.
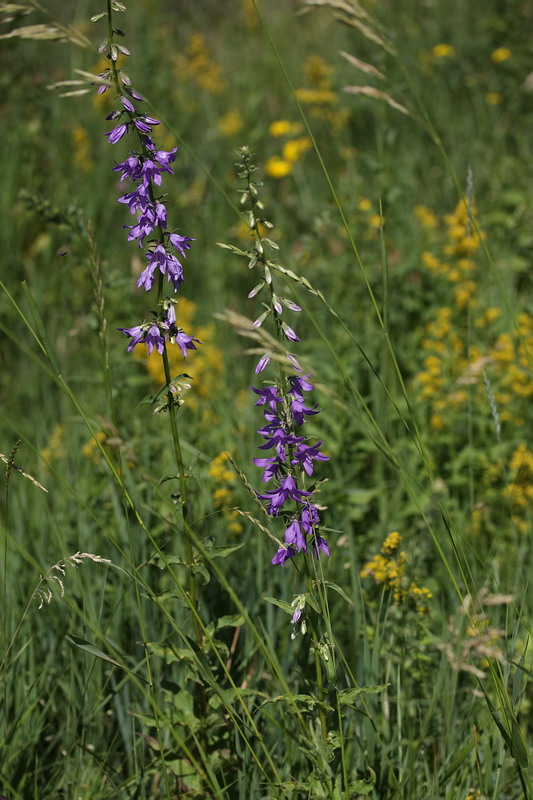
pixel 372 219
pixel 388 567
pixel 81 157
pixel 231 123
pixel 500 55
pixel 91 450
pixel 455 262
pixel 321 100
pixel 448 367
pixel 197 65
pixel 442 51
pixel 224 478
pixel 205 366
pixel 519 491
pixel 293 150
pixel 426 217
pixel 55 450
pixel 249 14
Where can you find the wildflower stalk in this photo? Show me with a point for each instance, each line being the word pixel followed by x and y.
pixel 145 168
pixel 285 412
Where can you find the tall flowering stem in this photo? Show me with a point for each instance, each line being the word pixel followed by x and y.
pixel 163 248
pixel 290 455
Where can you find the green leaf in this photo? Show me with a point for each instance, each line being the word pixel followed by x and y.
pixel 230 621
pixel 83 644
pixel 348 696
pixel 281 604
pixel 518 746
pixel 223 552
pixel 362 786
pixel 337 588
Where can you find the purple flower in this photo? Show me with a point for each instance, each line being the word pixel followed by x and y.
pixel 166 157
pixel 130 167
pixel 136 334
pixel 181 243
pixel 279 496
pixel 282 555
pixel 305 454
pixel 300 384
pixel 309 517
pixel 300 411
pixel 128 105
pixel 320 544
pixel 272 467
pixel 117 133
pixel 277 437
pixel 185 342
pixel 268 395
pixel 262 364
pixel 154 339
pixel 167 264
pixel 294 535
pixel 289 333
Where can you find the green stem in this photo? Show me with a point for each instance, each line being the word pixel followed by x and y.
pixel 189 554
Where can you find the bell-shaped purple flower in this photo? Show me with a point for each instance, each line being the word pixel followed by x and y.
pixel 278 497
pixel 185 342
pixel 305 454
pixel 136 335
pixel 294 535
pixel 282 555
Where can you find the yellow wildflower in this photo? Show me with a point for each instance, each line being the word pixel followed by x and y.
pixel 282 127
pixel 426 217
pixel 294 149
pixel 231 123
pixel 391 543
pixel 55 449
pixel 91 450
pixel 442 51
pixel 364 204
pixel 500 55
pixel 277 167
pixel 494 98
pixel 317 97
pixel 81 157
pixel 318 72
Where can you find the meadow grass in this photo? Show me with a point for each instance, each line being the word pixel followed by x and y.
pixel 147 651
